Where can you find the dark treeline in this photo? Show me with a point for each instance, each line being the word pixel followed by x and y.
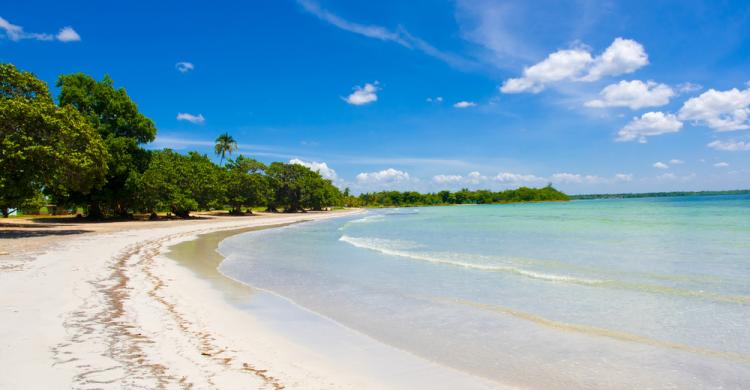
pixel 464 196
pixel 87 151
pixel 660 194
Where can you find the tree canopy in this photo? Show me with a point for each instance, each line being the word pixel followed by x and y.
pixel 464 196
pixel 43 146
pixel 225 143
pixel 122 128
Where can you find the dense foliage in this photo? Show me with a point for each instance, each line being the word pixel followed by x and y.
pixel 42 145
pixel 464 196
pixel 296 187
pixel 122 128
pixel 88 151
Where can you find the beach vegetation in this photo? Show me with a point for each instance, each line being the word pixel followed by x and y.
pixel 463 196
pixel 225 144
pixel 43 146
pixel 122 128
pixel 88 150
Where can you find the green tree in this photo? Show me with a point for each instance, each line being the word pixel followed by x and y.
pixel 245 183
pixel 43 146
pixel 225 143
pixel 177 183
pixel 122 127
pixel 296 187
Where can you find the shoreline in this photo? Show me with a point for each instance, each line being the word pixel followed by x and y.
pixel 110 309
pixel 357 358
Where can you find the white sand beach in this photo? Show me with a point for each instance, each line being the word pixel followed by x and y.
pixel 107 309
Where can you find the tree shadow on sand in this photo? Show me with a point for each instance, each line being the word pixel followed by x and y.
pixel 24 233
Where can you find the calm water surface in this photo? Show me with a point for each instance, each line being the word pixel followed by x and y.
pixel 598 293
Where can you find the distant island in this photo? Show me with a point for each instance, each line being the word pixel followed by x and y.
pixel 463 196
pixel 659 194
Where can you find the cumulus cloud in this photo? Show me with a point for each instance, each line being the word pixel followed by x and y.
pixel 560 65
pixel 730 145
pixel 660 165
pixel 577 64
pixel 719 110
pixel 363 95
pixel 621 57
pixel 688 87
pixel 575 178
pixel 623 177
pixel 438 99
pixel 476 177
pixel 464 104
pixel 16 33
pixel 633 94
pixel 197 119
pixel 648 125
pixel 721 164
pixel 508 177
pixel 184 66
pixel 675 161
pixel 447 179
pixel 386 176
pixel 67 34
pixel 320 167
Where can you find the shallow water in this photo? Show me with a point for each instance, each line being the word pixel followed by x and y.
pixel 600 293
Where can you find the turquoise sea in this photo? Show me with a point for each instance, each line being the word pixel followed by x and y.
pixel 633 293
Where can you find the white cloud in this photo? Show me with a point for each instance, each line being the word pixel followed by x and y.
pixel 575 178
pixel 721 164
pixel 719 110
pixel 622 56
pixel 464 104
pixel 560 65
pixel 320 167
pixel 376 32
pixel 438 99
pixel 363 95
pixel 184 66
pixel 386 176
pixel 197 119
pixel 688 87
pixel 730 145
pixel 67 34
pixel 623 177
pixel 675 161
pixel 400 36
pixel 648 125
pixel 577 64
pixel 634 94
pixel 447 179
pixel 16 33
pixel 660 165
pixel 13 32
pixel 475 177
pixel 508 177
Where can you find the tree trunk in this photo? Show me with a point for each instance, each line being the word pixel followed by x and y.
pixel 180 212
pixel 95 212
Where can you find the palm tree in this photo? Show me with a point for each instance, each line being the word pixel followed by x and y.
pixel 225 144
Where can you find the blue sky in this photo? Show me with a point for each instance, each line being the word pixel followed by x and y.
pixel 592 96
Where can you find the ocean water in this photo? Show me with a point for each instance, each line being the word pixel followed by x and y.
pixel 633 293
